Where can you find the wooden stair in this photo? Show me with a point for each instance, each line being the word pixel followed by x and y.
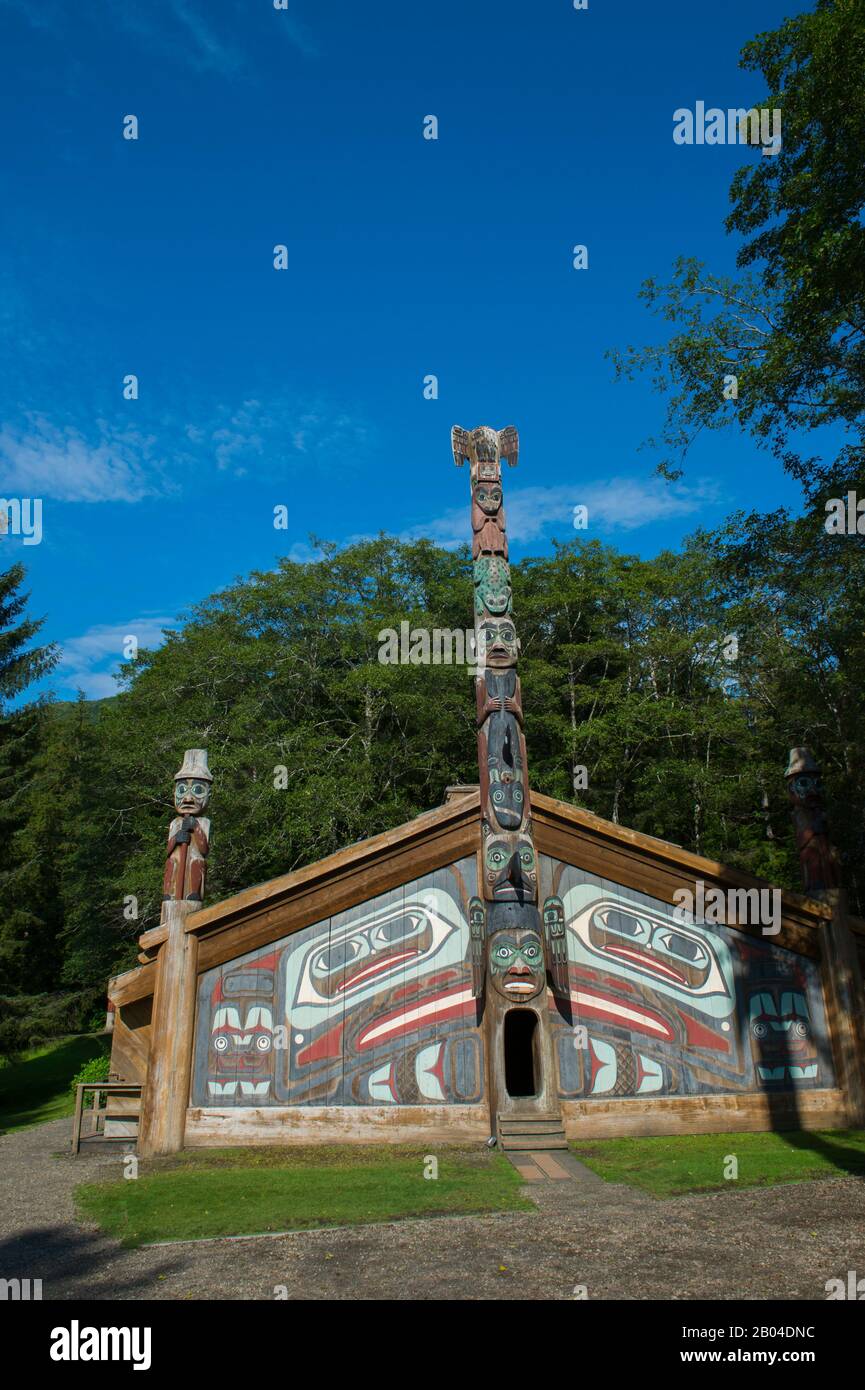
pixel 530 1132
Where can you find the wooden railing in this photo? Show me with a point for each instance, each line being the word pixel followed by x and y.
pixel 112 1092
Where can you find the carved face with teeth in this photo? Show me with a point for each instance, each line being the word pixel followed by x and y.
pixel 517 964
pixel 782 1044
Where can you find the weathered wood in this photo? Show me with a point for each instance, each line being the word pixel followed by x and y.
pixel 130 1044
pixel 211 1126
pixel 166 1092
pixel 133 984
pixel 76 1118
pixel 712 1114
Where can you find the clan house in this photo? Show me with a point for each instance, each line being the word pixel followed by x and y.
pixel 506 965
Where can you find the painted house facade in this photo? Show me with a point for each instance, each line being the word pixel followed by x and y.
pixel 337 1002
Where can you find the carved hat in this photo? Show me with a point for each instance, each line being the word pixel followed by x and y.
pixel 195 766
pixel 801 760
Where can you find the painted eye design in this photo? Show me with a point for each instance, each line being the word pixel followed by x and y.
pixel 759 1030
pixel 531 952
pixel 624 923
pixel 198 789
pixel 181 788
pixel 337 957
pixel 262 1042
pixel 682 947
pixel 221 1043
pixel 504 953
pixel 498 795
pixel 800 1029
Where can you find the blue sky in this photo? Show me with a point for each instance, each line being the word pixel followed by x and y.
pixel 407 257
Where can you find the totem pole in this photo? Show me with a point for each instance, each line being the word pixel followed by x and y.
pixel 506 918
pixel 166 1093
pixel 189 832
pixel 817 855
pixel 842 974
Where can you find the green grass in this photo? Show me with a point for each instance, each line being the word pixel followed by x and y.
pixel 36 1087
pixel 668 1165
pixel 251 1191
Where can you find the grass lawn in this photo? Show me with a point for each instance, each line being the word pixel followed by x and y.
pixel 37 1088
pixel 219 1192
pixel 667 1165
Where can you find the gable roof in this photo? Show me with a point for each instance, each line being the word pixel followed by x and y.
pixel 257 916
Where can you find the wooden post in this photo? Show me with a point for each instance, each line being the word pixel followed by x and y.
pixel 166 1091
pixel 76 1122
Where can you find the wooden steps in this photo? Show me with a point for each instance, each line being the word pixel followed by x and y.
pixel 528 1132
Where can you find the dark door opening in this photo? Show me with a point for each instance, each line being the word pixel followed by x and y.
pixel 520 1026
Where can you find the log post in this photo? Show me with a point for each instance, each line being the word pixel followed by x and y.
pixel 842 976
pixel 165 1096
pixel 166 1090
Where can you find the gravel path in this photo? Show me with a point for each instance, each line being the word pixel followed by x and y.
pixel 784 1242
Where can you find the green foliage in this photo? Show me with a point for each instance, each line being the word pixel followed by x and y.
pixel 28 1020
pixel 97 1069
pixel 792 327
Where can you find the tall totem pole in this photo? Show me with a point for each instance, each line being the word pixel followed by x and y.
pixel 509 970
pixel 821 879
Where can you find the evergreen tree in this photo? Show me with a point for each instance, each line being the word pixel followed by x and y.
pixel 28 923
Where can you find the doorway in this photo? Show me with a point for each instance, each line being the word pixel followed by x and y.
pixel 520 1060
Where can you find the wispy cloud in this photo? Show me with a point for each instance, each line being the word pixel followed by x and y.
pixel 218 39
pixel 614 504
pixel 41 459
pixel 89 661
pixel 114 463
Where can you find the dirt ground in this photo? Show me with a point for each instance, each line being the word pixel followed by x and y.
pixel 610 1241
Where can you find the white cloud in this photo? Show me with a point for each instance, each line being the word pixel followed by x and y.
pixel 44 460
pixel 88 661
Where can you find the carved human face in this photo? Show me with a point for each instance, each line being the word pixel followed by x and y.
pixel 492 585
pixel 806 787
pixel 517 964
pixel 498 644
pixel 489 497
pixel 191 795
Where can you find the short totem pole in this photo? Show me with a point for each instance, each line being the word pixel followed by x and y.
pixel 166 1094
pixel 508 958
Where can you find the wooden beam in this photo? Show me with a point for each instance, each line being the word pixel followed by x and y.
pixel 166 1091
